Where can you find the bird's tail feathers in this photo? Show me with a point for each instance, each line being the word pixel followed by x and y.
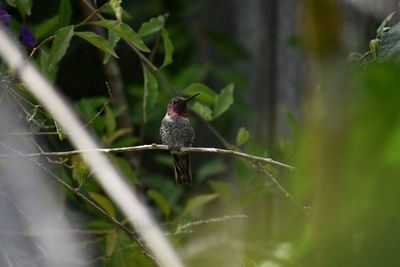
pixel 182 169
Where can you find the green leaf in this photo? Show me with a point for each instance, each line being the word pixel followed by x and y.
pixel 126 141
pixel 165 160
pixel 112 41
pixel 126 168
pixel 115 135
pixel 44 61
pixel 111 123
pixel 111 243
pixel 212 167
pixel 150 92
pixel 97 41
pixel 197 202
pixel 88 108
pixel 60 131
pixel 60 44
pixel 251 263
pixel 30 115
pixel 224 100
pixel 79 169
pixel 231 74
pixel 168 48
pixel 224 189
pixel 104 203
pixel 242 136
pixel 47 27
pixel 23 6
pixel 374 47
pixel 151 26
pixel 293 123
pixel 125 32
pixel 44 65
pixel 206 94
pixel 64 12
pixel 161 201
pixel 109 11
pixel 116 6
pixel 381 29
pixel 191 73
pixel 203 110
pixel 126 254
pixel 100 224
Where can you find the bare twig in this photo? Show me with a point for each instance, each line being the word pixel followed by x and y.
pixel 16 206
pixel 186 227
pixel 76 192
pixel 29 133
pixel 80 231
pixel 35 49
pixel 214 131
pixel 153 147
pixel 92 15
pixel 271 178
pixel 63 163
pixel 101 110
pixel 256 160
pixel 41 125
pixel 155 47
pixel 18 98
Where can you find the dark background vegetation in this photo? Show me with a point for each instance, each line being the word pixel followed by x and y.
pixel 299 97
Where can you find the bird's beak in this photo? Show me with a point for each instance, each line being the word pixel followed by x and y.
pixel 191 97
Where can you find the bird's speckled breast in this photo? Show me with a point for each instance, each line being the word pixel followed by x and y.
pixel 176 132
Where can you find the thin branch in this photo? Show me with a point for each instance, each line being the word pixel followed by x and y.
pixel 186 227
pixel 29 133
pixel 93 14
pixel 155 47
pixel 41 125
pixel 25 100
pixel 16 206
pixel 80 231
pixel 265 173
pixel 153 147
pixel 35 49
pixel 16 97
pixel 61 162
pixel 76 192
pixel 256 160
pixel 83 22
pixel 213 130
pixel 97 114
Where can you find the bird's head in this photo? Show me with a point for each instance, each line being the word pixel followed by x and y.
pixel 177 106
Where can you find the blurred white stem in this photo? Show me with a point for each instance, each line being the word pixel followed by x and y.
pixel 109 178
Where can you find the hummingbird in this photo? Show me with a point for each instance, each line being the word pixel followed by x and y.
pixel 176 132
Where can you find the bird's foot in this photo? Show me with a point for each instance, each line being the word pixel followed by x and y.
pixel 174 149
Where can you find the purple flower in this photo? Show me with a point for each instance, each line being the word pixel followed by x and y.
pixel 26 37
pixel 5 18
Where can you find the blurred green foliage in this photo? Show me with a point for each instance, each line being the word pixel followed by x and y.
pixel 346 151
